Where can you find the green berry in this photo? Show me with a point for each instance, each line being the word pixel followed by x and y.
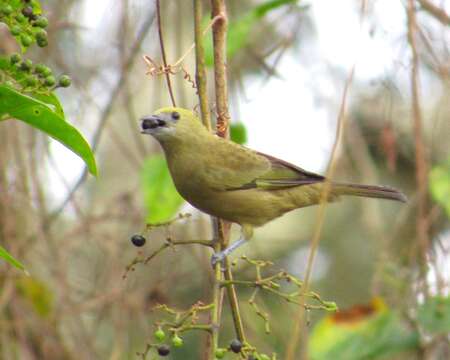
pixel 42 42
pixel 31 80
pixel 41 38
pixel 264 357
pixel 39 68
pixel 177 341
pixel 6 10
pixel 21 18
pixel 15 30
pixel 220 353
pixel 15 58
pixel 46 71
pixel 65 81
pixel 27 11
pixel 41 22
pixel 236 346
pixel 137 240
pixel 50 81
pixel 163 350
pixel 159 335
pixel 25 39
pixel 26 65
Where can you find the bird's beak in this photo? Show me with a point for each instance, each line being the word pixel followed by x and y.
pixel 150 123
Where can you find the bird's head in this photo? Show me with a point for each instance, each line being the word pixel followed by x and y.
pixel 170 123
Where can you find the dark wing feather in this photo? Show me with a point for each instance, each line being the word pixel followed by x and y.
pixel 281 174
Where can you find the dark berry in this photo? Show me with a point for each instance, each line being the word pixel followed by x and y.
pixel 15 58
pixel 27 11
pixel 6 9
pixel 25 40
pixel 50 81
pixel 163 350
pixel 41 22
pixel 65 81
pixel 138 240
pixel 236 346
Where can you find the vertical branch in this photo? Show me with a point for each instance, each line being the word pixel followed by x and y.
pixel 200 73
pixel 163 51
pixel 421 162
pixel 220 67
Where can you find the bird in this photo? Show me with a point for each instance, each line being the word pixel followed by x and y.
pixel 235 183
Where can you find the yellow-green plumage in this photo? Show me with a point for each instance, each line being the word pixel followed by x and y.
pixel 235 183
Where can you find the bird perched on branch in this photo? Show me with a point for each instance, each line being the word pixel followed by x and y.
pixel 235 183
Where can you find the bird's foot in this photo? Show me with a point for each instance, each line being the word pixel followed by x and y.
pixel 221 255
pixel 217 257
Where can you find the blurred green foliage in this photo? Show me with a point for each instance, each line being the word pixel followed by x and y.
pixel 359 334
pixel 440 185
pixel 10 259
pixel 434 315
pixel 160 196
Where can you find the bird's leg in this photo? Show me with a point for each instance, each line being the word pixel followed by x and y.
pixel 246 234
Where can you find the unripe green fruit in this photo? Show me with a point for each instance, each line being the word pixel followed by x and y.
pixel 159 335
pixel 6 10
pixel 25 40
pixel 220 353
pixel 177 341
pixel 64 81
pixel 21 18
pixel 50 81
pixel 41 22
pixel 264 357
pixel 15 30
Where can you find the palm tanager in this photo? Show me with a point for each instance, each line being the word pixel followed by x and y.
pixel 235 183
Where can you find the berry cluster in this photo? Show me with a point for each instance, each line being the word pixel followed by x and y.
pixel 33 77
pixel 24 23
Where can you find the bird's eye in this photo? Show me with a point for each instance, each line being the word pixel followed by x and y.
pixel 175 115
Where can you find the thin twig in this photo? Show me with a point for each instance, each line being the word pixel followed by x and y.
pixel 435 11
pixel 163 52
pixel 421 161
pixel 200 73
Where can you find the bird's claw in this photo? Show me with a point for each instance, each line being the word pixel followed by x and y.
pixel 217 257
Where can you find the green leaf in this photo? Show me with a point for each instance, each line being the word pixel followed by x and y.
pixel 47 118
pixel 239 30
pixel 361 336
pixel 434 315
pixel 10 259
pixel 238 133
pixel 440 185
pixel 161 198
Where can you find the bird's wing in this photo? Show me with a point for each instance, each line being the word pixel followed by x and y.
pixel 248 169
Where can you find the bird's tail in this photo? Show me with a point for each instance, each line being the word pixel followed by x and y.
pixel 373 191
